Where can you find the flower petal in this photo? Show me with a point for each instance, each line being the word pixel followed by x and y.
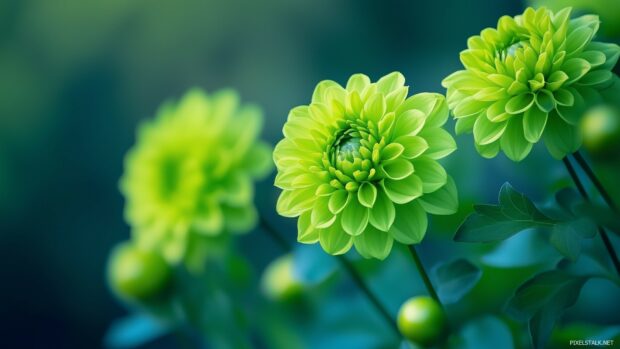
pixel 397 169
pixel 410 224
pixel 520 103
pixel 338 200
pixel 404 190
pixel 413 146
pixel 534 121
pixel 354 217
pixel 383 213
pixel 321 216
pixel 440 143
pixel 513 142
pixel 443 201
pixel 486 131
pixel 408 123
pixel 432 174
pixel 306 233
pixel 561 138
pixel 373 243
pixel 335 241
pixel 367 194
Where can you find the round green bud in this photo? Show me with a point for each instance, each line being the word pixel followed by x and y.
pixel 421 320
pixel 279 281
pixel 137 274
pixel 600 127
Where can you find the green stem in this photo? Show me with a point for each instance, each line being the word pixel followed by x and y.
pixel 423 274
pixel 602 232
pixel 357 278
pixel 348 266
pixel 594 179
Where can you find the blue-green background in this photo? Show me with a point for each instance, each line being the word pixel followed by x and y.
pixel 76 77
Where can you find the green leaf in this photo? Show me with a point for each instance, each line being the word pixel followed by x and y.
pixel 382 214
pixel 601 215
pixel 367 194
pixel 354 217
pixel 543 299
pixel 514 214
pixel 410 224
pixel 486 332
pixel 566 236
pixel 443 201
pixel 373 243
pixel 455 279
pixel 518 206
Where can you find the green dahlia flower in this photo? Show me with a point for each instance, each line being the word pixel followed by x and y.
pixel 531 77
pixel 190 176
pixel 358 165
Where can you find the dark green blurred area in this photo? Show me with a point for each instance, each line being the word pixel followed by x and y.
pixel 76 77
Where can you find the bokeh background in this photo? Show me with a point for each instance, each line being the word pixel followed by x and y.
pixel 76 77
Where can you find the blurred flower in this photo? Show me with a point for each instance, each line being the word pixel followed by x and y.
pixel 189 178
pixel 422 321
pixel 608 10
pixel 279 281
pixel 531 77
pixel 137 274
pixel 358 165
pixel 601 128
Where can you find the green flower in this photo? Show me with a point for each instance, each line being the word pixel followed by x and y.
pixel 530 78
pixel 189 178
pixel 358 165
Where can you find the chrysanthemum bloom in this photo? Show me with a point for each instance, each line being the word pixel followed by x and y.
pixel 189 178
pixel 359 165
pixel 530 78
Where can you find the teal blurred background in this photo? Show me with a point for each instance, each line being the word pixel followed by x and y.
pixel 76 77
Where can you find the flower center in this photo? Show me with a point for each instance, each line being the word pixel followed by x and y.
pixel 347 146
pixel 510 50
